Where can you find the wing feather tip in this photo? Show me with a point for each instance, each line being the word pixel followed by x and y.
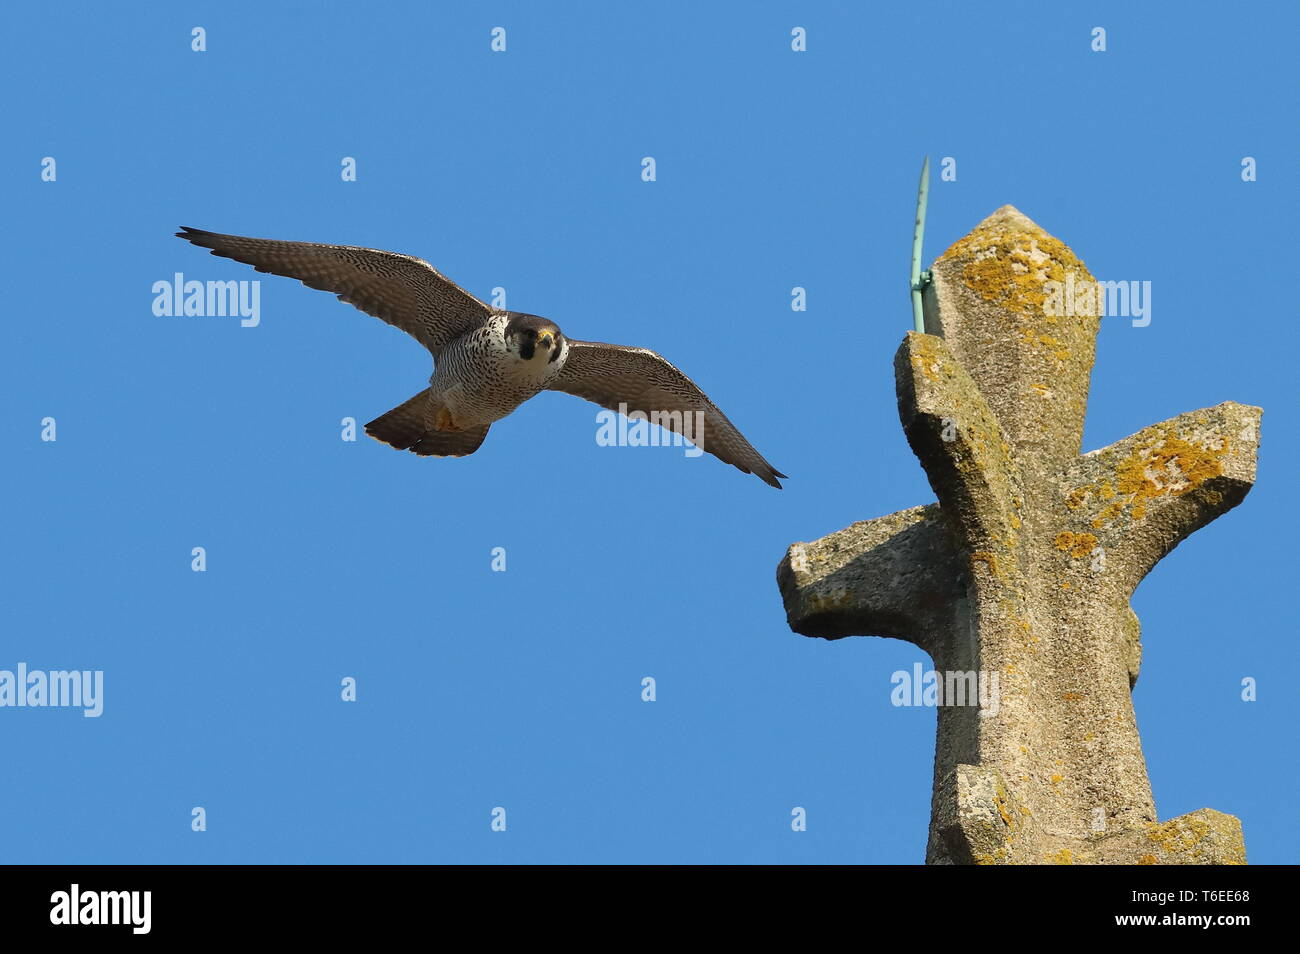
pixel 768 475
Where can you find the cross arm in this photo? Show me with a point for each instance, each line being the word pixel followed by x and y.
pixel 896 576
pixel 1142 496
pixel 958 440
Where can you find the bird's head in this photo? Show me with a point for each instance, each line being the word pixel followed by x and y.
pixel 533 338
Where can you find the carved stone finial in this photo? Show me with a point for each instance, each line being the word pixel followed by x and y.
pixel 1021 574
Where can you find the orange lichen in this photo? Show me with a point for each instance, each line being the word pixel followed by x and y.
pixel 1170 467
pixel 1181 835
pixel 1078 545
pixel 1011 265
pixel 1002 810
pixel 988 559
pixel 925 359
pixel 1164 464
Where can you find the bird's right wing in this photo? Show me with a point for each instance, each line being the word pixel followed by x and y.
pixel 640 380
pixel 405 291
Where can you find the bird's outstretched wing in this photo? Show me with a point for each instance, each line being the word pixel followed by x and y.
pixel 405 291
pixel 641 380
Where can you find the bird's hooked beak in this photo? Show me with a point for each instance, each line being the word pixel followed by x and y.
pixel 546 338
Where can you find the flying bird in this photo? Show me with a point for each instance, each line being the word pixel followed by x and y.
pixel 487 361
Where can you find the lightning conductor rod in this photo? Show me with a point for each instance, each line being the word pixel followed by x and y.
pixel 919 278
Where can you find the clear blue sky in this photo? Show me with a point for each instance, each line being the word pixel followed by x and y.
pixel 521 169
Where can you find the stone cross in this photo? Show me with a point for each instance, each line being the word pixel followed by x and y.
pixel 1020 576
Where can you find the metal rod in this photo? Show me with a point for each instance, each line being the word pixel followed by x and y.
pixel 920 280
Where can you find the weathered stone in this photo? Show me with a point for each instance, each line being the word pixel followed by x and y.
pixel 1025 567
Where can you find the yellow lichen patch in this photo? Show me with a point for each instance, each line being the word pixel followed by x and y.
pixel 1147 860
pixel 1012 265
pixel 1179 835
pixel 1056 778
pixel 1109 513
pixel 1002 810
pixel 1062 857
pixel 1042 389
pixel 988 559
pixel 1072 696
pixel 1062 354
pixel 1164 465
pixel 1169 468
pixel 992 277
pixel 927 360
pixel 1078 545
pixel 1065 585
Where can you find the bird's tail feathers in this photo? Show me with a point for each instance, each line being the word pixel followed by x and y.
pixel 409 426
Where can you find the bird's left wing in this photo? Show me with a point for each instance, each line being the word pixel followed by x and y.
pixel 637 379
pixel 405 291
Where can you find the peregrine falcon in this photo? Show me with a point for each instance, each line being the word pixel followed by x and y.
pixel 487 362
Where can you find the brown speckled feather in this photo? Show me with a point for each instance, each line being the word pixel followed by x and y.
pixel 611 375
pixel 405 291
